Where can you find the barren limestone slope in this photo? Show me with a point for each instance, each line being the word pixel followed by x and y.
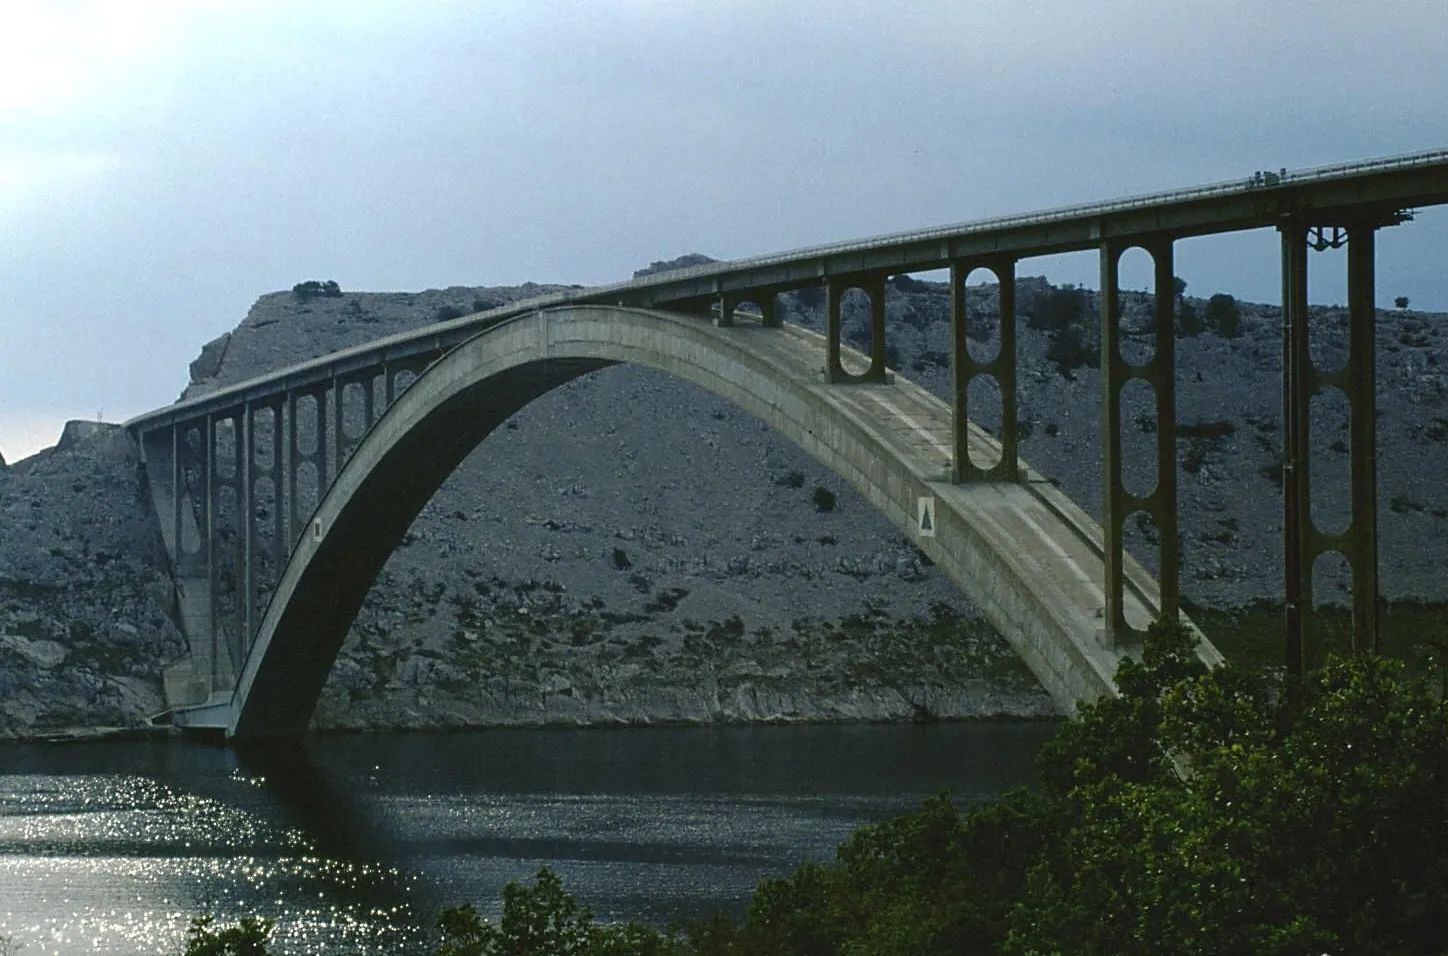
pixel 630 548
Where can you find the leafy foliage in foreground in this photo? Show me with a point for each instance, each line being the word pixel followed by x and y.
pixel 246 938
pixel 543 920
pixel 1198 813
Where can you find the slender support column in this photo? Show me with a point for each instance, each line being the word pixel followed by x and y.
pixel 209 470
pixel 834 299
pixel 1114 375
pixel 294 516
pixel 279 514
pixel 369 385
pixel 728 302
pixel 321 452
pixel 1296 393
pixel 178 482
pixel 387 385
pixel 1362 394
pixel 769 309
pixel 1005 371
pixel 961 372
pixel 1163 378
pixel 339 434
pixel 246 474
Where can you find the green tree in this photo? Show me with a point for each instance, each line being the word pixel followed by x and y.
pixel 1297 823
pixel 1058 309
pixel 1198 812
pixel 545 920
pixel 245 938
pixel 1224 316
pixel 312 288
pixel 1069 350
pixel 1401 302
pixel 1188 323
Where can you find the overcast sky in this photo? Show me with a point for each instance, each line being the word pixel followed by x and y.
pixel 163 163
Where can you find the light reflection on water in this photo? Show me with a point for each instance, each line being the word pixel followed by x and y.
pixel 352 844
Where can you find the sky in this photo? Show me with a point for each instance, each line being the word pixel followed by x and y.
pixel 164 162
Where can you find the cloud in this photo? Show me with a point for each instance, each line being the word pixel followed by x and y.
pixel 163 163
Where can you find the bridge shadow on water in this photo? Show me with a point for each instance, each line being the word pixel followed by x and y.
pixel 315 800
pixel 356 856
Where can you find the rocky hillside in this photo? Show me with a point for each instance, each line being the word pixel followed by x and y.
pixel 85 597
pixel 630 548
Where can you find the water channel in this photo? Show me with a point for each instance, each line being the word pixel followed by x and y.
pixel 353 843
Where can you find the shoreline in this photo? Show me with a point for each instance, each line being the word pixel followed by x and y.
pixel 103 734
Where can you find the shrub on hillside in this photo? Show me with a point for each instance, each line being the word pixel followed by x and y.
pixel 791 479
pixel 312 288
pixel 824 499
pixel 1188 323
pixel 1224 316
pixel 1069 351
pixel 1058 309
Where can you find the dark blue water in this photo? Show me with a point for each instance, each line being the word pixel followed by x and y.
pixel 353 843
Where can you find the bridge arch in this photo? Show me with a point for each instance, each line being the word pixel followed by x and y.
pixel 1025 554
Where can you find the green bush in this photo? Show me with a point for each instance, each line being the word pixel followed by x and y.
pixel 246 938
pixel 824 499
pixel 1058 309
pixel 791 479
pixel 1198 812
pixel 544 920
pixel 311 289
pixel 1224 316
pixel 1069 351
pixel 1188 323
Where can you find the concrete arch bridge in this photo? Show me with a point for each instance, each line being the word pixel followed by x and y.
pixel 281 498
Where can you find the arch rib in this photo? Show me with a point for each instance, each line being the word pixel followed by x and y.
pixel 1023 552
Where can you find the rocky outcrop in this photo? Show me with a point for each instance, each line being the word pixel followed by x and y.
pixel 629 549
pixel 686 261
pixel 85 598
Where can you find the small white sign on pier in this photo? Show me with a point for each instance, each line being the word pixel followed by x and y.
pixel 925 516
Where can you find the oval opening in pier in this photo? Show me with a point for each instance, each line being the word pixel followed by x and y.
pixel 855 331
pixel 983 406
pixel 1136 302
pixel 1139 427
